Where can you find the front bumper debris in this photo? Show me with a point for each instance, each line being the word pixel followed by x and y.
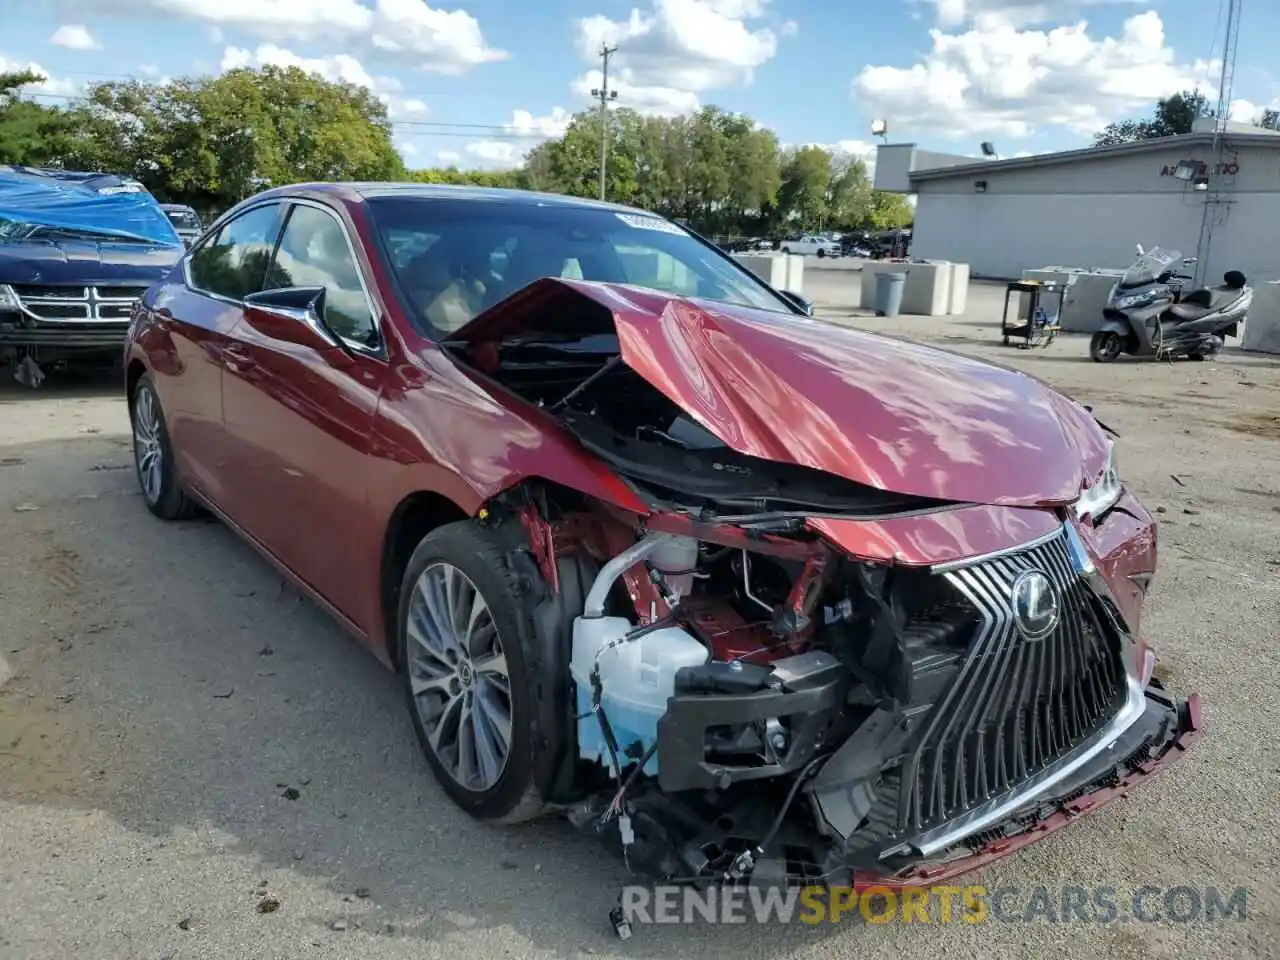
pixel 1124 775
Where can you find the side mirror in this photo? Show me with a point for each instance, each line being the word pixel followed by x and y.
pixel 803 303
pixel 291 314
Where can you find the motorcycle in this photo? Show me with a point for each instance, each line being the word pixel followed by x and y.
pixel 1148 315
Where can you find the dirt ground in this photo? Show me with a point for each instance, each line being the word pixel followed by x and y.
pixel 165 692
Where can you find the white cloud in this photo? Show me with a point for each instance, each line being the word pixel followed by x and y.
pixel 50 87
pixel 448 157
pixel 340 67
pixel 74 36
pixel 1247 111
pixel 679 49
pixel 955 13
pixel 552 125
pixel 407 32
pixel 526 131
pixel 497 154
pixel 999 81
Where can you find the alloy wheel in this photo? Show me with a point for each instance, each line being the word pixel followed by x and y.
pixel 148 453
pixel 458 676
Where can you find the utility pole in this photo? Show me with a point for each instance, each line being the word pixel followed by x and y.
pixel 605 96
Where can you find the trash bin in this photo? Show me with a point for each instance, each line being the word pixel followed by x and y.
pixel 889 287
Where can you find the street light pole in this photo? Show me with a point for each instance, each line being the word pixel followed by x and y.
pixel 604 95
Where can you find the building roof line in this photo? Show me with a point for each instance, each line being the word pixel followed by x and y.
pixel 1092 153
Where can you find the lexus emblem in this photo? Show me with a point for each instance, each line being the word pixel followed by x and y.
pixel 1035 605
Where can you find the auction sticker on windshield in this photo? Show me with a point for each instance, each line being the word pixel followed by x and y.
pixel 649 223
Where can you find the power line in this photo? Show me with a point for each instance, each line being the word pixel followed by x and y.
pixel 605 96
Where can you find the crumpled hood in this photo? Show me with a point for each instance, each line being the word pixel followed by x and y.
pixel 892 414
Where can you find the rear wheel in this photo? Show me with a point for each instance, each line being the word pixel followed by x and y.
pixel 1105 346
pixel 786 250
pixel 821 253
pixel 463 627
pixel 153 456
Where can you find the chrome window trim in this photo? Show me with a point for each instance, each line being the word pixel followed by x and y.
pixel 378 352
pixel 375 315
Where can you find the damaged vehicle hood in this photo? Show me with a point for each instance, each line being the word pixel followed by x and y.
pixel 887 413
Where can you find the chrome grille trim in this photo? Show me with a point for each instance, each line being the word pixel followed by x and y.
pixel 1022 715
pixel 77 304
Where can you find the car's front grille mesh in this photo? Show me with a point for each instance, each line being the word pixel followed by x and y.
pixel 77 304
pixel 1017 705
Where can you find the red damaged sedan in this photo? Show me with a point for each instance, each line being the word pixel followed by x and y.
pixel 741 592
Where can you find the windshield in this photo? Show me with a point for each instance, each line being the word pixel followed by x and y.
pixel 20 230
pixel 1148 267
pixel 454 258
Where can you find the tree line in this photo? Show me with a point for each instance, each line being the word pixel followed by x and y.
pixel 209 142
pixel 1173 116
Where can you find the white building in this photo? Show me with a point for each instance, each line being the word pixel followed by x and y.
pixel 1087 208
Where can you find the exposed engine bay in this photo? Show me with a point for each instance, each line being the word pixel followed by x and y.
pixel 735 699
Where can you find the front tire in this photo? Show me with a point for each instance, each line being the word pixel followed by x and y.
pixel 1105 346
pixel 787 251
pixel 153 456
pixel 821 253
pixel 464 633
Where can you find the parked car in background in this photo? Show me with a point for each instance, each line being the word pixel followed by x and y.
pixel 854 245
pixel 809 245
pixel 748 594
pixel 77 250
pixel 185 221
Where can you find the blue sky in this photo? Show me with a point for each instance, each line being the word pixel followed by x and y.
pixel 477 82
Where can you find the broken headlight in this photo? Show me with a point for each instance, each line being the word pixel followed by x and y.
pixel 1096 500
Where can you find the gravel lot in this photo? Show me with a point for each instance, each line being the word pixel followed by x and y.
pixel 166 690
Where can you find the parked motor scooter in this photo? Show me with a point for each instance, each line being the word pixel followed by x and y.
pixel 1148 315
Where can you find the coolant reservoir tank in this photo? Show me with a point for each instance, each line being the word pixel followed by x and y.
pixel 637 678
pixel 676 559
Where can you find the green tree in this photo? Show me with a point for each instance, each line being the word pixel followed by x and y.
pixel 212 142
pixel 806 183
pixel 888 211
pixel 1173 115
pixel 31 133
pixel 849 199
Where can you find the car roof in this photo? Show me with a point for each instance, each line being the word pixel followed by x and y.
pixel 177 207
pixel 357 192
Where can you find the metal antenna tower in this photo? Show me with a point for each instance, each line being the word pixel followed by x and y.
pixel 1215 201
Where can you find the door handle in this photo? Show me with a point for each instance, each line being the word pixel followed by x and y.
pixel 236 358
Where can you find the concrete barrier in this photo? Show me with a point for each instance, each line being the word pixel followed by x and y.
pixel 959 289
pixel 1262 329
pixel 931 287
pixel 769 267
pixel 781 271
